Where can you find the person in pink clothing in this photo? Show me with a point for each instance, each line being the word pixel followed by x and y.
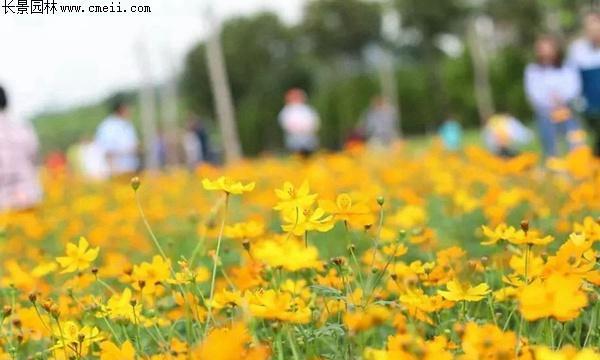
pixel 19 184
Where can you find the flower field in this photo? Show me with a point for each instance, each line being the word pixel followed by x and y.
pixel 354 255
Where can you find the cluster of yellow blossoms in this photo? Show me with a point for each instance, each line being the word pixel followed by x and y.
pixel 356 255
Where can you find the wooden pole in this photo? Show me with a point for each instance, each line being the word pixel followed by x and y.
pixel 147 109
pixel 222 94
pixel 483 89
pixel 169 112
pixel 390 31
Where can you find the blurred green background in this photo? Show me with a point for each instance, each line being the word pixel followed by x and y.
pixel 332 54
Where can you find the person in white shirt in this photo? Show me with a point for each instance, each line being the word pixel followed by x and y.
pixel 93 161
pixel 117 138
pixel 300 123
pixel 381 123
pixel 551 88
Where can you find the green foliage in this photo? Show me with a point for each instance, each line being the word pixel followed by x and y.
pixel 507 82
pixel 341 27
pixel 431 17
pixel 262 63
pixel 524 15
pixel 341 104
pixel 323 55
pixel 58 131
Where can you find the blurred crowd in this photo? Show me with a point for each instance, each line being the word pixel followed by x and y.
pixel 563 88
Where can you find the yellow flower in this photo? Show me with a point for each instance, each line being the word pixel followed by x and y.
pixel 409 217
pixel 227 185
pixel 111 351
pixel 501 232
pixel 575 257
pixel 43 269
pixel 488 342
pixel 288 254
pixel 362 319
pixel 299 221
pixel 419 305
pixel 283 306
pixel 230 344
pixel 505 294
pixel 558 296
pixel 148 277
pixel 395 250
pixel 69 332
pixel 534 264
pixel 226 298
pixel 343 209
pixel 297 288
pixel 245 230
pixel 186 276
pixel 531 237
pixel 590 228
pixel 119 307
pixel 463 292
pixel 291 198
pixel 566 353
pixel 78 257
pixel 514 236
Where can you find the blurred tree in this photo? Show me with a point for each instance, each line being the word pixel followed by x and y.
pixel 432 18
pixel 520 20
pixel 337 28
pixel 262 61
pixel 334 33
pixel 222 96
pixel 479 51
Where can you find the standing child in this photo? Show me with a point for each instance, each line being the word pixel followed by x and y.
pixel 300 123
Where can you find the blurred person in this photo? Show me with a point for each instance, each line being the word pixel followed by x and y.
pixel 355 139
pixel 74 157
pixel 19 184
pixel 160 148
pixel 504 134
pixel 551 88
pixel 56 161
pixel 381 123
pixel 206 150
pixel 192 148
pixel 300 123
pixel 196 144
pixel 584 55
pixel 88 159
pixel 451 134
pixel 118 139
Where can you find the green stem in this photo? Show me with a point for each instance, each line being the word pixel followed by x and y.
pixel 280 355
pixel 591 326
pixel 147 225
pixel 138 336
pixel 491 306
pixel 215 264
pixel 62 337
pixel 292 344
pixel 189 335
pixel 522 320
pixel 201 240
